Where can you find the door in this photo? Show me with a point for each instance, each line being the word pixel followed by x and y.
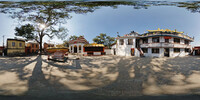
pixel 166 52
pixel 132 51
pixel 75 49
pixel 114 51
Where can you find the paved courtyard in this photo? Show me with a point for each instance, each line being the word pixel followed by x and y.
pixel 100 76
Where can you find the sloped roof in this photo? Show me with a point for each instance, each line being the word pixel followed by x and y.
pixel 80 39
pixel 93 45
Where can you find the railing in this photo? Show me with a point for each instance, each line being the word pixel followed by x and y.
pixel 163 44
pixel 178 35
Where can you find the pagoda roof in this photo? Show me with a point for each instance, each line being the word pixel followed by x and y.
pixel 80 39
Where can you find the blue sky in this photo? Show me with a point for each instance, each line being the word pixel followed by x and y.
pixel 122 20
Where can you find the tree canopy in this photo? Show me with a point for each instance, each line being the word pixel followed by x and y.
pixel 104 39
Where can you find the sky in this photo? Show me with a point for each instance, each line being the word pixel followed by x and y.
pixel 123 20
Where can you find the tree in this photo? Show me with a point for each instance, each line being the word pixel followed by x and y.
pixel 44 18
pixel 104 39
pixel 73 37
pixel 66 43
pixel 25 31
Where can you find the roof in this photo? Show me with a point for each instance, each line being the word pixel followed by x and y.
pixel 32 43
pixel 164 30
pixel 80 39
pixel 93 45
pixel 16 39
pixel 48 43
pixel 130 35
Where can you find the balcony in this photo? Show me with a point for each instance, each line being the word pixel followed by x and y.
pixel 164 45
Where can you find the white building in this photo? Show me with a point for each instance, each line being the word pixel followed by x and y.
pixel 126 45
pixel 76 46
pixel 154 43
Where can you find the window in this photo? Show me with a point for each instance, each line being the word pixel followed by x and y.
pixel 187 50
pixel 186 42
pixel 20 44
pixel 176 50
pixel 145 40
pixel 145 50
pixel 32 45
pixel 155 40
pixel 121 41
pixel 13 44
pixel 155 50
pixel 36 45
pixel 130 41
pixel 176 40
pixel 166 40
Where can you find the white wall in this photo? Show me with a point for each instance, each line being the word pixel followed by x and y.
pixel 108 51
pixel 180 54
pixel 125 49
pixel 77 44
pixel 150 54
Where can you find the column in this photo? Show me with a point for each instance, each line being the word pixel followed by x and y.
pixel 77 48
pixel 73 49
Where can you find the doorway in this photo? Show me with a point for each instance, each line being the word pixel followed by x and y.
pixel 75 49
pixel 132 51
pixel 114 51
pixel 166 52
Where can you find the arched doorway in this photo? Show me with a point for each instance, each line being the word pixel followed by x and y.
pixel 75 49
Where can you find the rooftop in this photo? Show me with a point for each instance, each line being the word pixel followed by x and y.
pixel 80 39
pixel 93 45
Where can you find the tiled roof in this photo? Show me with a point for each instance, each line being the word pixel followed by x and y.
pixel 80 39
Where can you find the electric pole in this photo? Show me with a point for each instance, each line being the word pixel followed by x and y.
pixel 3 40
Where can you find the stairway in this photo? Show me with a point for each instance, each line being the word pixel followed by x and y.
pixel 141 52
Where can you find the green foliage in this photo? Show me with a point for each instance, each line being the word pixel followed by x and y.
pixel 104 39
pixel 26 31
pixel 66 43
pixel 73 37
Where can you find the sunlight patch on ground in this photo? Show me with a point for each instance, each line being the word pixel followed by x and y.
pixel 12 84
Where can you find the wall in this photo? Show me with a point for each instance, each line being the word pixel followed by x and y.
pixel 180 54
pixel 108 51
pixel 77 44
pixel 33 47
pixel 14 50
pixel 125 49
pixel 150 54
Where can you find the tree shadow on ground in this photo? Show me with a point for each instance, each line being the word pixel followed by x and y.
pixel 112 78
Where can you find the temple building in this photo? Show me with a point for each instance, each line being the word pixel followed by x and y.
pixel 93 49
pixel 76 46
pixel 154 43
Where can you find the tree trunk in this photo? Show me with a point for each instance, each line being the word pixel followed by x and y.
pixel 41 45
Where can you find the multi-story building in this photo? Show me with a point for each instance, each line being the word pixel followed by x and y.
pixel 15 47
pixel 33 47
pixel 126 45
pixel 155 43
